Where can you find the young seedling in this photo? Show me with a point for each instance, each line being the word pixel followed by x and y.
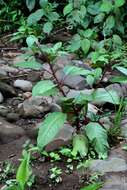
pixel 55 173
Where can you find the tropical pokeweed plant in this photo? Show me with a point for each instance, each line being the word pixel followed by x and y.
pixel 74 110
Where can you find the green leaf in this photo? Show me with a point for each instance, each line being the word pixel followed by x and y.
pixel 30 40
pixel 43 3
pixel 93 9
pixel 106 6
pixel 119 79
pixel 117 41
pixel 98 135
pixel 80 145
pixel 35 17
pixel 75 43
pixel 73 70
pixel 99 18
pixel 29 65
pixel 90 80
pixel 86 33
pixel 30 4
pixel 47 28
pixel 57 46
pixel 97 73
pixel 50 128
pixel 122 70
pixel 103 95
pixel 119 3
pixel 108 25
pixel 82 11
pixel 67 9
pixel 94 186
pixel 85 45
pixel 24 171
pixel 44 88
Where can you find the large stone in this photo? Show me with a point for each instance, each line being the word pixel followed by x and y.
pixel 3 73
pixel 124 128
pixel 116 162
pixel 33 76
pixel 9 69
pixel 23 85
pixel 1 97
pixel 9 132
pixel 7 90
pixel 75 82
pixel 34 106
pixel 115 181
pixel 62 138
pixel 121 89
pixel 74 93
pixel 109 165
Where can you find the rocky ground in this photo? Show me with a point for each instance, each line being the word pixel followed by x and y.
pixel 20 115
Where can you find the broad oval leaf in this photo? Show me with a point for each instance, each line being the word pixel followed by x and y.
pixel 47 28
pixel 99 18
pixel 122 70
pixel 30 4
pixel 75 43
pixel 119 79
pixel 24 171
pixel 80 145
pixel 44 88
pixel 30 40
pixel 35 17
pixel 119 3
pixel 102 95
pixel 85 45
pixel 29 65
pixel 50 128
pixel 106 6
pixel 67 9
pixel 73 70
pixel 98 135
pixel 108 25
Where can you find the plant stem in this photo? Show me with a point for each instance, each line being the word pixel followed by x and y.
pixel 56 79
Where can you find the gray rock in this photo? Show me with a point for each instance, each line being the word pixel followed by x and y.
pixel 115 181
pixel 62 138
pixel 109 165
pixel 9 69
pixel 23 85
pixel 7 90
pixel 12 117
pixel 63 60
pixel 116 162
pixel 34 106
pixel 55 108
pixel 3 73
pixel 3 61
pixel 75 82
pixel 74 93
pixel 4 110
pixel 1 98
pixel 81 64
pixel 121 89
pixel 124 128
pixel 9 132
pixel 33 76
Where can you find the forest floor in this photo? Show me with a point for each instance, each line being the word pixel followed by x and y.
pixel 19 115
